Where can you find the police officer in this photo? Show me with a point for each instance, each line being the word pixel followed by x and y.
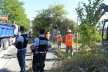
pixel 21 44
pixel 39 48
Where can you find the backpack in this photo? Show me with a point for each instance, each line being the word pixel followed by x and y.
pixel 21 45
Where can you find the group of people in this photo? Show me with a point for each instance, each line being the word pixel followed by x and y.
pixel 68 41
pixel 39 48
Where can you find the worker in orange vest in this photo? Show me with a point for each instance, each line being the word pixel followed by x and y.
pixel 69 42
pixel 59 40
pixel 48 35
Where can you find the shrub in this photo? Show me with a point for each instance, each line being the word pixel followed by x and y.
pixel 84 61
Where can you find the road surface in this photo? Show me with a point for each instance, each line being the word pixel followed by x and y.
pixel 9 63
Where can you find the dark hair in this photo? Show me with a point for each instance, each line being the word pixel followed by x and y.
pixel 41 31
pixel 22 28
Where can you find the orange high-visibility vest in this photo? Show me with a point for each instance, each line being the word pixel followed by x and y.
pixel 47 36
pixel 69 40
pixel 59 39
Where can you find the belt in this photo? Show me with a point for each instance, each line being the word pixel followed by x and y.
pixel 40 52
pixel 22 49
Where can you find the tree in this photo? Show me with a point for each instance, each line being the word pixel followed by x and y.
pixel 15 12
pixel 89 15
pixel 1 6
pixel 53 18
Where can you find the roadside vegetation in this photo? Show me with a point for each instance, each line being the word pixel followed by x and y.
pixel 84 60
pixel 91 57
pixel 53 19
pixel 14 11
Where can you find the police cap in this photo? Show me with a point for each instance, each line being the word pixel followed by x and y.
pixel 41 31
pixel 22 28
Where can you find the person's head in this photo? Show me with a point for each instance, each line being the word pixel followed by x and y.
pixel 41 31
pixel 14 22
pixel 29 31
pixel 22 29
pixel 69 31
pixel 58 32
pixel 47 32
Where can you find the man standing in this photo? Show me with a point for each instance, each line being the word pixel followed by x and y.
pixel 21 44
pixel 59 40
pixel 69 42
pixel 39 48
pixel 48 35
pixel 16 27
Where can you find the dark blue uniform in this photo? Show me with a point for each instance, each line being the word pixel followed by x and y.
pixel 39 55
pixel 21 46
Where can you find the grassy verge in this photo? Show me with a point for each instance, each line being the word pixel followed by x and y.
pixel 94 60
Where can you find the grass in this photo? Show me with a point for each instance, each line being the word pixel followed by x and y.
pixel 83 61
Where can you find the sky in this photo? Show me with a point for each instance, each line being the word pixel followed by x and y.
pixel 31 6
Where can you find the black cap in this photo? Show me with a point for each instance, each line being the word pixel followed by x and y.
pixel 41 31
pixel 22 28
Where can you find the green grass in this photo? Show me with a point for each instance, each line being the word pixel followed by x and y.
pixel 83 61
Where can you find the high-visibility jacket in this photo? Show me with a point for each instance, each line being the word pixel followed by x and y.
pixel 59 38
pixel 48 36
pixel 69 40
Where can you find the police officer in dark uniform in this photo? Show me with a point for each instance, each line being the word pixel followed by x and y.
pixel 21 44
pixel 39 48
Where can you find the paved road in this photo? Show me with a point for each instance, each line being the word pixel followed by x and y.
pixel 9 63
pixel 8 60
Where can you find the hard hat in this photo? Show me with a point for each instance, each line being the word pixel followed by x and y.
pixel 47 32
pixel 69 30
pixel 58 31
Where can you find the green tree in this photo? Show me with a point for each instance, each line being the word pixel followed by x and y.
pixel 1 6
pixel 89 15
pixel 53 18
pixel 15 12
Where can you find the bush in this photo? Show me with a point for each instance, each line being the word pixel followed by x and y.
pixel 84 61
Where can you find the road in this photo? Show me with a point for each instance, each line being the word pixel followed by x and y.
pixel 9 63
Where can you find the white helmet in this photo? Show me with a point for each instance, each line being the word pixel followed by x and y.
pixel 58 31
pixel 69 30
pixel 47 32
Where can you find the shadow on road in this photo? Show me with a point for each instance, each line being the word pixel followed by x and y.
pixel 9 56
pixel 5 70
pixel 30 70
pixel 52 59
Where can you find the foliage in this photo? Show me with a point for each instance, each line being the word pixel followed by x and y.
pixel 15 12
pixel 89 15
pixel 83 61
pixel 53 18
pixel 1 5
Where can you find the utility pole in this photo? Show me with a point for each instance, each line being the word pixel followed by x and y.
pixel 77 36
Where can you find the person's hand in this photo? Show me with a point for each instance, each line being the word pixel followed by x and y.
pixel 49 46
pixel 32 47
pixel 12 44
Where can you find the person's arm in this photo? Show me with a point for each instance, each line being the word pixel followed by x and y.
pixel 61 38
pixel 15 43
pixel 49 44
pixel 17 40
pixel 32 47
pixel 34 44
